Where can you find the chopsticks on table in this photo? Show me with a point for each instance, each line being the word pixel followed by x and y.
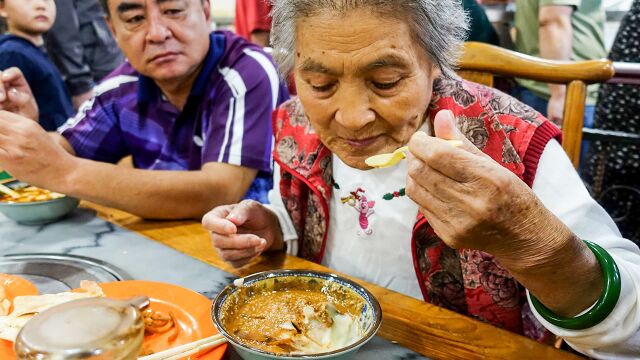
pixel 7 190
pixel 191 348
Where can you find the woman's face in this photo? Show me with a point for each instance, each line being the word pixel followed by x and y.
pixel 365 84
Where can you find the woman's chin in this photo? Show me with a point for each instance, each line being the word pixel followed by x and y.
pixel 356 162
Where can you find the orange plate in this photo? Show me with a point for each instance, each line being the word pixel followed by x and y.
pixel 191 310
pixel 14 286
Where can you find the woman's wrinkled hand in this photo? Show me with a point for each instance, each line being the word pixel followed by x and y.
pixel 16 95
pixel 243 231
pixel 473 202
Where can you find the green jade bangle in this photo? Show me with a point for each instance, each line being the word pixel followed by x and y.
pixel 603 307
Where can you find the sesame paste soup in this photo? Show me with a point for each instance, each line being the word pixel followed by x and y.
pixel 294 315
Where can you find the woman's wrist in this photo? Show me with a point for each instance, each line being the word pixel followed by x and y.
pixel 560 270
pixel 602 308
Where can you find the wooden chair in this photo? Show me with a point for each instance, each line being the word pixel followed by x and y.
pixel 482 62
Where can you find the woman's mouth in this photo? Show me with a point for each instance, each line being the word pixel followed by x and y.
pixel 363 142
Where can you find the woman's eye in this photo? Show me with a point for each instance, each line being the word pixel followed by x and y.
pixel 385 85
pixel 322 88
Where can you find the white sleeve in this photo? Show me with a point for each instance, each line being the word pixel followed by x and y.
pixel 561 190
pixel 289 234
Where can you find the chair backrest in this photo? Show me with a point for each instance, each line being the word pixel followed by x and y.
pixel 482 62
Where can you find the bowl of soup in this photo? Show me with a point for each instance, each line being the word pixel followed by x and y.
pixel 35 206
pixel 296 314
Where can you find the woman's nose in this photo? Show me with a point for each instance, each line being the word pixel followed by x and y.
pixel 354 111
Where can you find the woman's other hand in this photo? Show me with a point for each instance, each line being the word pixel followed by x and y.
pixel 243 231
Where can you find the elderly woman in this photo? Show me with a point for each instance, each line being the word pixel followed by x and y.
pixel 465 227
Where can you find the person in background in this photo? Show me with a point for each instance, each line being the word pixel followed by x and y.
pixel 558 30
pixel 480 28
pixel 23 47
pixel 82 47
pixel 252 21
pixel 191 107
pixel 613 169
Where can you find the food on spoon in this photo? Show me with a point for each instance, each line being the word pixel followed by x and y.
pixel 390 159
pixel 294 316
pixel 30 194
pixel 26 307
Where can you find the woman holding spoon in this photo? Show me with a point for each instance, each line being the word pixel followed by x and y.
pixel 485 206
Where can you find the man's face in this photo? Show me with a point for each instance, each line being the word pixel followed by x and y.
pixel 364 82
pixel 32 17
pixel 166 40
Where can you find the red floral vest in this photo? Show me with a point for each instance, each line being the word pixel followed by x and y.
pixel 467 281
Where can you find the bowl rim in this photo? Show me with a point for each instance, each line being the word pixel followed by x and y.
pixel 33 203
pixel 229 289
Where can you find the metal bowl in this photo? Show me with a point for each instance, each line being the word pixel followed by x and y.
pixel 370 317
pixel 37 212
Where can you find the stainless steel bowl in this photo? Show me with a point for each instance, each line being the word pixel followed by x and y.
pixel 370 318
pixel 37 212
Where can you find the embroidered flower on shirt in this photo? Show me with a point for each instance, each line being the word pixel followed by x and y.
pixel 395 194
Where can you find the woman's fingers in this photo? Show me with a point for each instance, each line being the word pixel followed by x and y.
pixel 426 199
pixel 238 242
pixel 442 156
pixel 216 221
pixel 238 249
pixel 438 184
pixel 244 212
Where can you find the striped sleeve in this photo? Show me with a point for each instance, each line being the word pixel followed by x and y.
pixel 240 131
pixel 94 132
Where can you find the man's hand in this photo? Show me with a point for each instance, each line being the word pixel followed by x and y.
pixel 15 94
pixel 31 155
pixel 243 231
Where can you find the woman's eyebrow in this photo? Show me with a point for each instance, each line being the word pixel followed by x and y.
pixel 386 61
pixel 310 65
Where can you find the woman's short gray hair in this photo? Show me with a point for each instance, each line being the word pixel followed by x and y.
pixel 439 26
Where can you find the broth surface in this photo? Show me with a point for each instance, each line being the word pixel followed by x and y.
pixel 294 317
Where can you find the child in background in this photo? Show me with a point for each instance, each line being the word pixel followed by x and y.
pixel 23 47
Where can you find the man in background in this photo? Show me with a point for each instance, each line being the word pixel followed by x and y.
pixel 558 30
pixel 191 107
pixel 82 47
